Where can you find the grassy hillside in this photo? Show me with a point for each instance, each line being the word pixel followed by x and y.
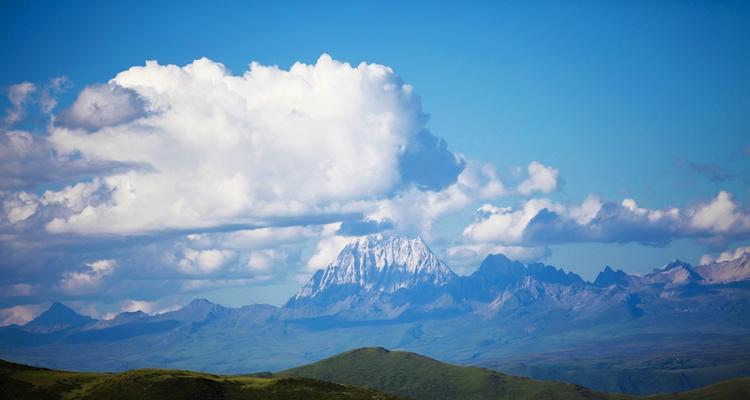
pixel 732 389
pixel 419 377
pixel 23 382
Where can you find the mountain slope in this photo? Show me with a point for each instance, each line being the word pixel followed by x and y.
pixel 418 377
pixel 726 390
pixel 23 382
pixel 58 317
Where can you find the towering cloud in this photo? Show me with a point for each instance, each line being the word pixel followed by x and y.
pixel 269 145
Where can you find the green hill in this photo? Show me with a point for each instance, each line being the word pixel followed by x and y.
pixel 732 389
pixel 24 382
pixel 418 377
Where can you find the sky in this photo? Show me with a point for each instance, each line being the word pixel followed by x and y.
pixel 151 154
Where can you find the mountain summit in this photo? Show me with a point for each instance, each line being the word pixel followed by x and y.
pixel 57 317
pixel 378 263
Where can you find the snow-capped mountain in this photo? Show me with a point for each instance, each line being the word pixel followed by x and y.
pixel 379 263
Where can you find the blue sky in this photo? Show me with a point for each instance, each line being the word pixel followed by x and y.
pixel 623 100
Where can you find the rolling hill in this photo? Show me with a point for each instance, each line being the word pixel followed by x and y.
pixel 366 373
pixel 414 376
pixel 417 377
pixel 19 382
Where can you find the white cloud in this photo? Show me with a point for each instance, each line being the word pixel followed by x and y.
pixel 19 95
pixel 20 206
pixel 541 178
pixel 74 282
pixel 242 149
pixel 99 106
pixel 326 251
pixel 721 215
pixel 417 210
pixel 203 262
pixel 541 222
pixel 586 212
pixel 506 224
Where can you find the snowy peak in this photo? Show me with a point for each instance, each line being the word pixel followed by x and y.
pixel 380 263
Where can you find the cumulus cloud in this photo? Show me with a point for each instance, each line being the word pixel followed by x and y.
pixel 252 149
pixel 417 210
pixel 19 206
pixel 202 262
pixel 74 282
pixel 327 249
pixel 28 160
pixel 19 95
pixel 99 106
pixel 542 222
pixel 262 253
pixel 721 216
pixel 541 179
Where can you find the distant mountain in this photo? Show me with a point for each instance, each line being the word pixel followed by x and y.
pixel 121 319
pixel 675 273
pixel 375 263
pixel 196 311
pixel 727 271
pixel 609 277
pixel 58 317
pixel 685 324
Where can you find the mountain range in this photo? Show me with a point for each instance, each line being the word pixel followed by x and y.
pixel 676 328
